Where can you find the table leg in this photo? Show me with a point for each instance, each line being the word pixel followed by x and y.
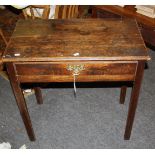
pixel 123 94
pixel 38 95
pixel 134 99
pixel 20 100
pixel 94 13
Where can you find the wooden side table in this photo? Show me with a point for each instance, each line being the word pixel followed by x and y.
pixel 82 50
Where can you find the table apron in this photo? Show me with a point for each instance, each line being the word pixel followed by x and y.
pixel 83 71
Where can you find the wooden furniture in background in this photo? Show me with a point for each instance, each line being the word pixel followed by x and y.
pixel 66 11
pixel 3 37
pixel 108 50
pixel 61 11
pixel 45 15
pixel 146 24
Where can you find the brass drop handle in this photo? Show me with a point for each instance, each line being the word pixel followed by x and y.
pixel 76 71
pixel 75 68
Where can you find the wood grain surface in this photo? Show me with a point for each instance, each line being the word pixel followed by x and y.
pixel 60 40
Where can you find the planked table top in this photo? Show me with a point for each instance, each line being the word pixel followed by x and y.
pixel 76 39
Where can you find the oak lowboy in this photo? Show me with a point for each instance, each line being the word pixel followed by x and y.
pixel 91 49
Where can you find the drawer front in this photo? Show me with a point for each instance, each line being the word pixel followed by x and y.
pixel 63 72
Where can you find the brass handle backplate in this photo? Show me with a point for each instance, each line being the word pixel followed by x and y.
pixel 75 68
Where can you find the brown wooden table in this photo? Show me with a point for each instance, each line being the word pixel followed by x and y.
pixel 88 49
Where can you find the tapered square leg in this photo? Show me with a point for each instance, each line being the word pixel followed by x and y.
pixel 20 100
pixel 134 99
pixel 123 94
pixel 38 95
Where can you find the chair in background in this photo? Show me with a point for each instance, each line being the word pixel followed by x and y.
pixel 60 11
pixel 66 11
pixel 33 8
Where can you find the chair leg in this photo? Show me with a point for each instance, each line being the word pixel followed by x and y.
pixel 123 94
pixel 4 39
pixel 38 95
